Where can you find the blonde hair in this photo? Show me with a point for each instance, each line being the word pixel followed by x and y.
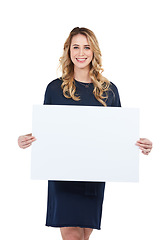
pixel 101 84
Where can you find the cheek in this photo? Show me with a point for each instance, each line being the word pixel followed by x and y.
pixel 91 55
pixel 71 55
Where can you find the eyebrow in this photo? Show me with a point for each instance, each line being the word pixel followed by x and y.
pixel 86 45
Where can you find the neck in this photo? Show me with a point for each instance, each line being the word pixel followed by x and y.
pixel 82 75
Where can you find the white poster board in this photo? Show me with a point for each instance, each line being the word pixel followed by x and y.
pixel 85 143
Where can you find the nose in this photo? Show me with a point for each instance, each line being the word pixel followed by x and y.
pixel 81 51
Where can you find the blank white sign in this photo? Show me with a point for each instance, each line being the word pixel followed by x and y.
pixel 85 143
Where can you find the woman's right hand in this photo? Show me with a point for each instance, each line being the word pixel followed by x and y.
pixel 26 140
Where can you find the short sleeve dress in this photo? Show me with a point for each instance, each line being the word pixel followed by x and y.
pixel 75 203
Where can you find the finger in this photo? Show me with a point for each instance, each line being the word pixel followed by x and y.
pixel 26 146
pixel 144 145
pixel 28 142
pixel 28 139
pixel 30 134
pixel 145 141
pixel 145 151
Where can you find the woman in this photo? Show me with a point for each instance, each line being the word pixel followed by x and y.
pixel 76 207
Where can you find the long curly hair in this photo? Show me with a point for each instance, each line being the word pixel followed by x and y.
pixel 101 84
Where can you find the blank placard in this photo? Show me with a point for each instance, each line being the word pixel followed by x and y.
pixel 85 143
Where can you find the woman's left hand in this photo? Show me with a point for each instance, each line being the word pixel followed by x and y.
pixel 145 145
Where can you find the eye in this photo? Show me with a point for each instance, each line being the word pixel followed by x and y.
pixel 87 47
pixel 75 47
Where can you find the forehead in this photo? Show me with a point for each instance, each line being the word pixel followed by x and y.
pixel 79 39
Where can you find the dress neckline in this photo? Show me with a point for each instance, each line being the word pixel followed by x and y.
pixel 86 85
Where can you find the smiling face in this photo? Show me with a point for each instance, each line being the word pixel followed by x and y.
pixel 80 52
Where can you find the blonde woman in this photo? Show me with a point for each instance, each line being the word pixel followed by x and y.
pixel 76 207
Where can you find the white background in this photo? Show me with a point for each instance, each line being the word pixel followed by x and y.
pixel 32 36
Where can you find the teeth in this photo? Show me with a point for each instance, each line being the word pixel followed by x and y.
pixel 81 59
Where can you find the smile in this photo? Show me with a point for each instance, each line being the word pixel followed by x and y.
pixel 81 60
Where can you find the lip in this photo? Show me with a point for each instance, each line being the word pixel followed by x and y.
pixel 81 60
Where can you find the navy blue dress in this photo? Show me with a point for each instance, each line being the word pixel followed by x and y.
pixel 75 203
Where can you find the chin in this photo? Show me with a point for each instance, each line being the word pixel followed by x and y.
pixel 82 65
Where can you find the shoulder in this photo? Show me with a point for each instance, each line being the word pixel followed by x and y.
pixel 113 87
pixel 53 91
pixel 113 95
pixel 54 83
pixel 54 86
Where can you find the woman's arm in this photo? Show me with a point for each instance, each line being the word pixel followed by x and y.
pixel 145 145
pixel 26 140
